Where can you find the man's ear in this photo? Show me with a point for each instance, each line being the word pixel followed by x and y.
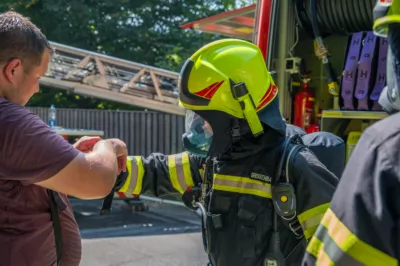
pixel 12 69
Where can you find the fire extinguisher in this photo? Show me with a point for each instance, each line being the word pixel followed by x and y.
pixel 304 102
pixel 315 127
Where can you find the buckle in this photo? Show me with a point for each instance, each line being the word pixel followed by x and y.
pixel 296 228
pixel 236 133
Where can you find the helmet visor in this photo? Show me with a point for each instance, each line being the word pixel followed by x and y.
pixel 198 135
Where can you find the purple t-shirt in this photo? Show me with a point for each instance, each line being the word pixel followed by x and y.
pixel 31 152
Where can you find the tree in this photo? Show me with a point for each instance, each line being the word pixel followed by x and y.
pixel 144 31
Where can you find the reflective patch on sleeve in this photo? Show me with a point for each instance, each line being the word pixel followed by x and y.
pixel 310 219
pixel 134 181
pixel 243 185
pixel 179 171
pixel 334 240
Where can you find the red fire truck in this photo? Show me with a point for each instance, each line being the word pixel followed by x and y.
pixel 330 67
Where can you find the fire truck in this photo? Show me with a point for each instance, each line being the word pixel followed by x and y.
pixel 329 66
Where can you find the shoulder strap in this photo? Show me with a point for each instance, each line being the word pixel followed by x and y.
pixel 290 149
pixel 289 160
pixel 56 225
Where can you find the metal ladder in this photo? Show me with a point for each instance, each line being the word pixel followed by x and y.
pixel 96 75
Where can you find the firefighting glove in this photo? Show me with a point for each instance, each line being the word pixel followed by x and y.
pixel 121 179
pixel 191 196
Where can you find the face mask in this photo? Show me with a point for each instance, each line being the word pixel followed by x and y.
pixel 198 136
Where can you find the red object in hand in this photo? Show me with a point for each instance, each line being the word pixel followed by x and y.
pixel 304 103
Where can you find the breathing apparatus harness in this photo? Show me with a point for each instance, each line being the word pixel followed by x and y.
pixel 283 192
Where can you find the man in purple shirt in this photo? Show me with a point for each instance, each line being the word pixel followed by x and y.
pixel 36 164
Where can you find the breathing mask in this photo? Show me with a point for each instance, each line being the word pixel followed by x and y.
pixel 198 136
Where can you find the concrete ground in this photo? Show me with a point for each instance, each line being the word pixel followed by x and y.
pixel 164 235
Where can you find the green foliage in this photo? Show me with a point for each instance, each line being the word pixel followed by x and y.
pixel 145 31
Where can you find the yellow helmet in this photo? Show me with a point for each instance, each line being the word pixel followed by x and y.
pixel 230 76
pixel 385 12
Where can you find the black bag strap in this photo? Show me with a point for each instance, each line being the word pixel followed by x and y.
pixel 56 224
pixel 107 202
pixel 291 147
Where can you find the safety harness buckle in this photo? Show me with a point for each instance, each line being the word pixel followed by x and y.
pixel 296 228
pixel 236 133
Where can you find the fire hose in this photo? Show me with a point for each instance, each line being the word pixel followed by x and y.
pixel 336 16
pixel 321 18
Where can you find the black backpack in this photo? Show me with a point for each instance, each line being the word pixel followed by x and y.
pixel 329 149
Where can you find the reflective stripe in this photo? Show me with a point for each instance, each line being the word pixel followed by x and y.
pixel 321 242
pixel 127 183
pixel 134 181
pixel 343 247
pixel 186 170
pixel 243 185
pixel 201 171
pixel 323 258
pixel 179 171
pixel 310 219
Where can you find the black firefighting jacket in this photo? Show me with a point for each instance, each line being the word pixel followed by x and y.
pixel 362 225
pixel 241 200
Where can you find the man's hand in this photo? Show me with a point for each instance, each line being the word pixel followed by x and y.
pixel 122 153
pixel 86 144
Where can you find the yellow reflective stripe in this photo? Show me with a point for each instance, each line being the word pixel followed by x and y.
pixel 342 245
pixel 310 219
pixel 140 175
pixel 186 170
pixel 134 181
pixel 125 187
pixel 201 171
pixel 316 248
pixel 173 176
pixel 179 171
pixel 243 185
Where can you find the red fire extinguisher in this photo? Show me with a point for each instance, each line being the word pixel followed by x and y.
pixel 304 105
pixel 315 127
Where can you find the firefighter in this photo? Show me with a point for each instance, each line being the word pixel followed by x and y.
pixel 362 225
pixel 234 129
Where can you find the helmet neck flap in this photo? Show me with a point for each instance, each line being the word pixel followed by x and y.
pixel 232 137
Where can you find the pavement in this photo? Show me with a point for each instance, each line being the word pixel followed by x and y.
pixel 163 235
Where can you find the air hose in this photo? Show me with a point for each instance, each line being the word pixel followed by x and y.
pixel 320 18
pixel 321 51
pixel 336 16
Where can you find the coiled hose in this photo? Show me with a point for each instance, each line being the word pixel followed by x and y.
pixel 336 16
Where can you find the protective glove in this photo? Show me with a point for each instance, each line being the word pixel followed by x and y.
pixel 191 196
pixel 121 179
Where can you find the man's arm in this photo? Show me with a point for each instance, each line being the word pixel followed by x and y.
pixel 314 185
pixel 361 225
pixel 88 175
pixel 32 153
pixel 161 175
